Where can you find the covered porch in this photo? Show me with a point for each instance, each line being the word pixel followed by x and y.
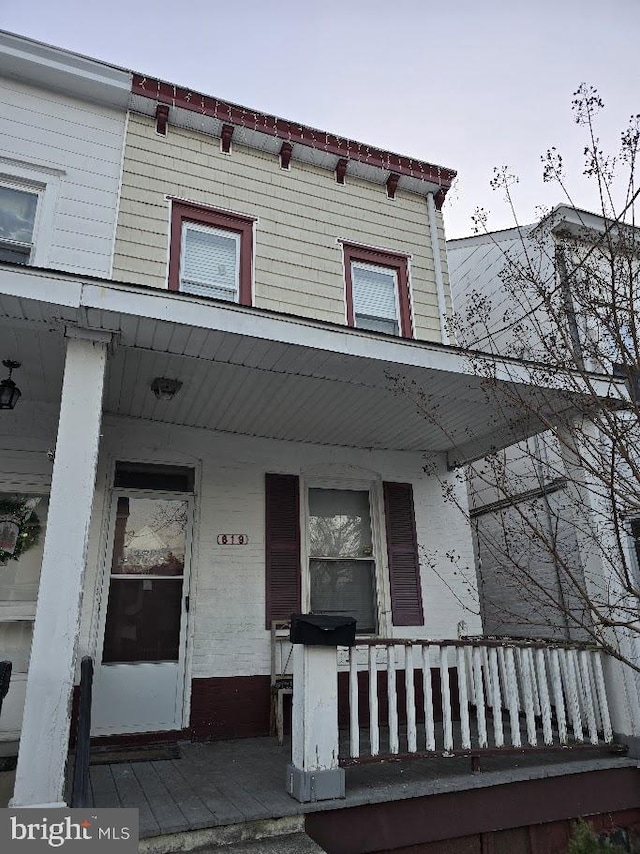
pixel 229 791
pixel 257 392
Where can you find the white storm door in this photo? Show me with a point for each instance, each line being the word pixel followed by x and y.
pixel 139 679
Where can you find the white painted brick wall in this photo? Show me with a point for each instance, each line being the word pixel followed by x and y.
pixel 227 618
pixel 226 630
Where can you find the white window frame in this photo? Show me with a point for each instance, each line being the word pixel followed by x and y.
pixel 45 181
pixel 382 604
pixel 377 268
pixel 26 249
pixel 209 229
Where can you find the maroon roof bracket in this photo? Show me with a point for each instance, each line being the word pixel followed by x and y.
pixel 225 138
pixel 341 169
pixel 285 155
pixel 438 198
pixel 162 119
pixel 392 185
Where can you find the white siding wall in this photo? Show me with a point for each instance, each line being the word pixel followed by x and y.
pixel 75 150
pixel 475 267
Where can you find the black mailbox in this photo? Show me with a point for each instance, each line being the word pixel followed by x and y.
pixel 323 630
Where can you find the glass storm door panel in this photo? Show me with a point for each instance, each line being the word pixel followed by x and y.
pixel 139 683
pixel 147 571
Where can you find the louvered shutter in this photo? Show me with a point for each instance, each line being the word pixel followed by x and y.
pixel 282 539
pixel 209 262
pixel 374 292
pixel 402 549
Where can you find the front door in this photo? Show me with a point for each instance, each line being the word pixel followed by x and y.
pixel 139 680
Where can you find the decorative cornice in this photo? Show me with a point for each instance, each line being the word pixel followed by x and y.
pixel 205 105
pixel 438 197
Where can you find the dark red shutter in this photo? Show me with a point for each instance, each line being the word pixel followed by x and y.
pixel 282 540
pixel 402 549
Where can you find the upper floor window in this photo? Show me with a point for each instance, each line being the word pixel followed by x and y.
pixel 377 294
pixel 211 253
pixel 17 223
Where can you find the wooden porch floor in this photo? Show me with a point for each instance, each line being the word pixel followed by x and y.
pixel 233 782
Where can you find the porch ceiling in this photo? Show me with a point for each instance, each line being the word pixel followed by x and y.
pixel 251 373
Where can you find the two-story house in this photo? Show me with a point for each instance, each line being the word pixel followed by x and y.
pixel 231 341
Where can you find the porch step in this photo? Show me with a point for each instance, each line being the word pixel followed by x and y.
pixel 274 836
pixel 295 843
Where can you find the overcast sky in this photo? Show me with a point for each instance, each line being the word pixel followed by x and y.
pixel 464 83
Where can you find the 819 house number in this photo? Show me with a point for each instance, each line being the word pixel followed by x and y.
pixel 232 539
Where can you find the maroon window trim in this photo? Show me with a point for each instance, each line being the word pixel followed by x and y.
pixel 393 261
pixel 402 551
pixel 242 225
pixel 282 547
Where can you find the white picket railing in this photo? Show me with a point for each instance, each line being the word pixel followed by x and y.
pixel 511 694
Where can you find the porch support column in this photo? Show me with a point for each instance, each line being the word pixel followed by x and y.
pixel 598 548
pixel 44 743
pixel 314 774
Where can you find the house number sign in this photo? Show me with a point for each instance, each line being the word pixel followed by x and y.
pixel 232 539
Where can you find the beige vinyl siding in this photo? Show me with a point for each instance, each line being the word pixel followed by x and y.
pixel 301 214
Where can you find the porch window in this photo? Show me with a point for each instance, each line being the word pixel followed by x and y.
pixel 377 291
pixel 211 253
pixel 341 564
pixel 17 223
pixel 23 519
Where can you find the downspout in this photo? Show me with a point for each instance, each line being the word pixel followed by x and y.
pixel 437 266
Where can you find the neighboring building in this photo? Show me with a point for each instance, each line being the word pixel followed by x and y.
pixel 63 126
pixel 228 326
pixel 544 291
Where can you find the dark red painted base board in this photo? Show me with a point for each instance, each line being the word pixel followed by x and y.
pixel 463 816
pixel 230 707
pixel 551 838
pixel 240 707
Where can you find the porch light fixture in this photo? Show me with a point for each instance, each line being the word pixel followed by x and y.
pixel 164 388
pixel 9 391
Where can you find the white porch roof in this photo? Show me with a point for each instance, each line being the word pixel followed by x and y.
pixel 257 373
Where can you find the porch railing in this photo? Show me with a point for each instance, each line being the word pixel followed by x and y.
pixel 80 789
pixel 463 696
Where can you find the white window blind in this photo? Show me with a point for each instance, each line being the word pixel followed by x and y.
pixel 209 262
pixel 375 297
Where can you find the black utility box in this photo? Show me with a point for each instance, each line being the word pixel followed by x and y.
pixel 323 630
